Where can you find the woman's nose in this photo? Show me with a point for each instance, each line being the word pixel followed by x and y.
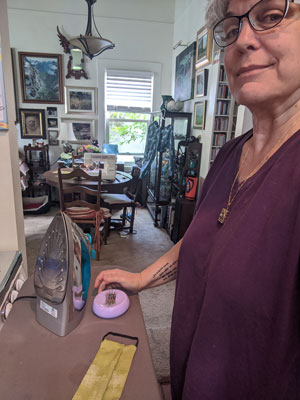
pixel 247 36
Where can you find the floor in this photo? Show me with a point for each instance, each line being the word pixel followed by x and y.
pixel 134 251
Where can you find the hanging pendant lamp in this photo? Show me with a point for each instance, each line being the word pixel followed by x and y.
pixel 90 45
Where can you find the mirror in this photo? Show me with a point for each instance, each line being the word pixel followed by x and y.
pixel 75 65
pixel 77 59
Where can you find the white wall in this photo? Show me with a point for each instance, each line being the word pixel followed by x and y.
pixel 142 32
pixel 244 121
pixel 11 212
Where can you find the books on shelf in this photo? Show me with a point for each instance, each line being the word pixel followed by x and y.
pixel 221 123
pixel 223 107
pixel 223 92
pixel 222 74
pixel 219 139
pixel 214 152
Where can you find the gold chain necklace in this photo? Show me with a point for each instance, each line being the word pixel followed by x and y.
pixel 225 210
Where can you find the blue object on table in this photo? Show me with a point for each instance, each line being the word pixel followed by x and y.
pixel 110 148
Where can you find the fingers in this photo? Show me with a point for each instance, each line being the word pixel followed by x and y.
pixel 102 286
pixel 106 279
pixel 98 279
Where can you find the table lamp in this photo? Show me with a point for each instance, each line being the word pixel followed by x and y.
pixel 66 135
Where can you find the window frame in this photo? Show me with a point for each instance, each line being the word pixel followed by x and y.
pixel 123 109
pixel 107 120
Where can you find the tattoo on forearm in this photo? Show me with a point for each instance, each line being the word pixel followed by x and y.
pixel 166 272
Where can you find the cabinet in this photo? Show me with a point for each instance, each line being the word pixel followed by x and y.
pixel 159 185
pixel 37 160
pixel 225 114
pixel 184 189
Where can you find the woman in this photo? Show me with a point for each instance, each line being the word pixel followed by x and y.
pixel 235 329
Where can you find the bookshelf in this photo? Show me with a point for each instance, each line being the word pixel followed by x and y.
pixel 225 114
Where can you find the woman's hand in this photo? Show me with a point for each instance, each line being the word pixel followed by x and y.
pixel 117 277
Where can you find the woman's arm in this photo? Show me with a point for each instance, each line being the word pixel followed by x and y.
pixel 162 271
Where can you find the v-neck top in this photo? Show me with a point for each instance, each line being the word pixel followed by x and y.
pixel 235 328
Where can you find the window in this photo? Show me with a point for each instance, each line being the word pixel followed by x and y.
pixel 129 96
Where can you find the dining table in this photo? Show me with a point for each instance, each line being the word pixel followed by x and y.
pixel 117 185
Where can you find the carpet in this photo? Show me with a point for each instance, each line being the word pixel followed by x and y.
pixel 133 253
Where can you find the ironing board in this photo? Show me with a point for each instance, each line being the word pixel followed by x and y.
pixel 38 365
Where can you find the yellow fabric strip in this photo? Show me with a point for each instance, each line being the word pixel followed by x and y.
pixel 120 373
pixel 106 376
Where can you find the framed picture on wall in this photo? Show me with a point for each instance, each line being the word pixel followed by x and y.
pixel 201 81
pixel 184 74
pixel 83 129
pixel 32 122
pixel 41 77
pixel 53 137
pixel 52 123
pixel 199 114
pixel 80 100
pixel 203 48
pixel 52 112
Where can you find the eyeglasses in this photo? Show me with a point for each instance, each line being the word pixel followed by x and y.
pixel 264 15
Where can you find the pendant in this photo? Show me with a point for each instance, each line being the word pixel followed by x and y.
pixel 223 215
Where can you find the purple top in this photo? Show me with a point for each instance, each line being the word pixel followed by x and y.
pixel 235 331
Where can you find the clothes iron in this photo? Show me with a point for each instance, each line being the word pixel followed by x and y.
pixel 62 276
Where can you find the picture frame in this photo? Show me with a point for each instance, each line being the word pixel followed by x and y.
pixel 83 129
pixel 80 100
pixel 3 112
pixel 32 123
pixel 184 74
pixel 203 48
pixel 201 82
pixel 52 123
pixel 199 115
pixel 41 78
pixel 52 112
pixel 53 137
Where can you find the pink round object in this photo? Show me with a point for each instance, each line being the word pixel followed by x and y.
pixel 104 310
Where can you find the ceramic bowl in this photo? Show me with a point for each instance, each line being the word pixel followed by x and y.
pixel 104 310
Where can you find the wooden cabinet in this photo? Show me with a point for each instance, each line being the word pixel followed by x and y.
pixel 183 211
pixel 184 189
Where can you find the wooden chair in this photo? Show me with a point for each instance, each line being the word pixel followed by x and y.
pixel 124 201
pixel 76 202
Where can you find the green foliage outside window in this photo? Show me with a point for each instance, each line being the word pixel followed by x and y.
pixel 128 132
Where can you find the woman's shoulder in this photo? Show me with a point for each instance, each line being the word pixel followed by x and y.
pixel 234 144
pixel 225 159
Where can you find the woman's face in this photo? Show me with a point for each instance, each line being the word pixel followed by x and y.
pixel 264 67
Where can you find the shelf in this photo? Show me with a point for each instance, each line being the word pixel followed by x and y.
pixel 225 131
pixel 224 113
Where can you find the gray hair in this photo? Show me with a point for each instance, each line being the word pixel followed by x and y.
pixel 215 11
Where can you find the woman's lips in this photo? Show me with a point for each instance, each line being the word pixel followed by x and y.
pixel 251 69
